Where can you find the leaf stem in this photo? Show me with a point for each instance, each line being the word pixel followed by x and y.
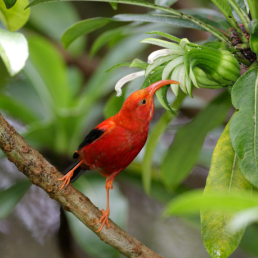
pixel 225 8
pixel 207 27
pixel 244 18
pixel 243 46
pixel 253 7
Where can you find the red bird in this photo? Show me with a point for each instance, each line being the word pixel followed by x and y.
pixel 112 145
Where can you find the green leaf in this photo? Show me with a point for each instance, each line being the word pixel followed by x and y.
pixel 158 62
pixel 243 127
pixel 191 202
pixel 9 3
pixel 248 244
pixel 16 109
pixel 137 63
pixel 82 28
pixel 188 141
pixel 114 5
pixel 242 5
pixel 13 50
pixel 184 20
pixel 253 8
pixel 165 2
pixel 14 18
pixel 161 43
pixel 162 97
pixel 154 77
pixel 133 2
pixel 152 142
pixel 167 19
pixel 165 35
pixel 50 67
pixel 225 8
pixel 118 65
pixel 11 196
pixel 60 16
pixel 224 176
pixel 157 18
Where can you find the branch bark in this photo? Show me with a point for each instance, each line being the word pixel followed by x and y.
pixel 41 173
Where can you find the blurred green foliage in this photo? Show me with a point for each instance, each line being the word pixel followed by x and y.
pixel 61 94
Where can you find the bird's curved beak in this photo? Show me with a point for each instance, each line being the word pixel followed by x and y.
pixel 157 85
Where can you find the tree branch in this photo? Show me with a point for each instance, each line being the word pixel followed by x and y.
pixel 41 173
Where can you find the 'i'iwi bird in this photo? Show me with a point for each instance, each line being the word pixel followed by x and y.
pixel 112 145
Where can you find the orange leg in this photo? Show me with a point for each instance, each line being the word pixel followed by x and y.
pixel 105 213
pixel 68 176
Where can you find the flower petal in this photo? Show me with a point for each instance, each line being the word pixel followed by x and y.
pixel 125 79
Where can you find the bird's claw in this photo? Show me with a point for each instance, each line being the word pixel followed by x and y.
pixel 103 220
pixel 66 180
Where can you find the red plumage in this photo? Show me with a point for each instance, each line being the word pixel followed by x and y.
pixel 112 145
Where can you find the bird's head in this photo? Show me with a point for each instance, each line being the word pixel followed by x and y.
pixel 140 105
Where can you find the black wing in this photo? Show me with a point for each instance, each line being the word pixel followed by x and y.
pixel 92 136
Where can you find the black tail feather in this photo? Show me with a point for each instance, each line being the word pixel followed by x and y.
pixel 77 172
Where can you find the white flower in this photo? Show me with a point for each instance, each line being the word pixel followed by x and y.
pixel 156 54
pixel 125 79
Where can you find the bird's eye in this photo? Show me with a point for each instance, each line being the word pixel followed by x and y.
pixel 143 101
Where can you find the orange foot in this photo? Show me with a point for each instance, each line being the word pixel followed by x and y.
pixel 103 219
pixel 66 179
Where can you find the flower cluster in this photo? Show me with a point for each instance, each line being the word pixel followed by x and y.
pixel 207 66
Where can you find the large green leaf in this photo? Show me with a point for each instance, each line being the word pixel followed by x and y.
pixel 60 16
pixel 188 141
pixel 168 19
pixel 16 17
pixel 190 203
pixel 152 142
pixel 13 50
pixel 207 27
pixel 82 28
pixel 164 18
pixel 51 69
pixel 243 127
pixel 223 6
pixel 133 2
pixel 224 176
pixel 11 196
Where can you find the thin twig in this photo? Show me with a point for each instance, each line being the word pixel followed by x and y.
pixel 41 173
